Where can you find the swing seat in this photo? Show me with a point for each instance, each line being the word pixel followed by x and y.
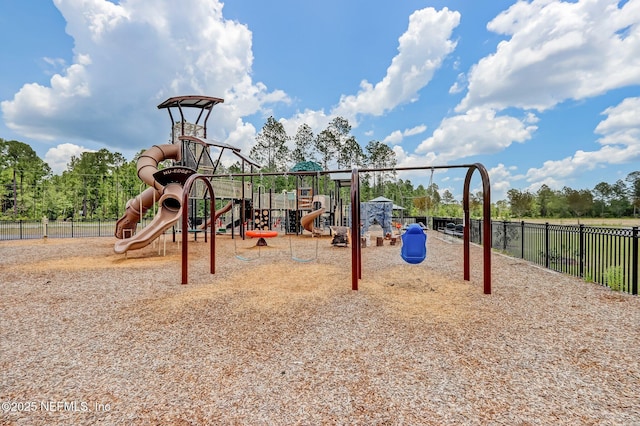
pixel 414 244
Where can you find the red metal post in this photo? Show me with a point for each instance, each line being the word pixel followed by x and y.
pixel 466 235
pixel 185 225
pixel 486 225
pixel 356 249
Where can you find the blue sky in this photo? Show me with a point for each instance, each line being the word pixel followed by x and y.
pixel 540 92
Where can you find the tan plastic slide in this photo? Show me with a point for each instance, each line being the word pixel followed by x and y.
pixel 215 217
pixel 166 217
pixel 147 166
pixel 307 220
pixel 169 198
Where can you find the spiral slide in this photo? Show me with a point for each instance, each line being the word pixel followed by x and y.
pixel 169 197
pixel 307 220
pixel 164 219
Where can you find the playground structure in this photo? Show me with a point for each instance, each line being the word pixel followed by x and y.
pixel 191 152
pixel 192 178
pixel 356 249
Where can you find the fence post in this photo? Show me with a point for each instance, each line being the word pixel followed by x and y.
pixel 547 262
pixel 634 260
pixel 504 235
pixel 20 228
pixel 581 250
pixel 522 239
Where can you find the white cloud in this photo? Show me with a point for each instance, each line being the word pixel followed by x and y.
pixel 59 156
pixel 621 144
pixel 622 125
pixel 421 51
pixel 501 178
pixel 129 57
pixel 478 131
pixel 459 85
pixel 317 120
pixel 242 136
pixel 415 130
pixel 396 137
pixel 557 51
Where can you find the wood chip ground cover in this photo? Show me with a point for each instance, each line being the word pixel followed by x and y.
pixel 90 337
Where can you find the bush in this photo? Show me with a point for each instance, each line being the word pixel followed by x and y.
pixel 614 278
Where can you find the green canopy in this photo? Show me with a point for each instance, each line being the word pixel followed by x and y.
pixel 306 166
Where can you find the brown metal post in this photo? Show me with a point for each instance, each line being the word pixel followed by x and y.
pixel 466 234
pixel 486 225
pixel 356 250
pixel 185 235
pixel 185 227
pixel 358 227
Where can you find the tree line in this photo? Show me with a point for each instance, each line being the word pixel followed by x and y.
pixel 619 199
pixel 97 185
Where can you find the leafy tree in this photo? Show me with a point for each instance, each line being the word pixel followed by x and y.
pixel 501 210
pixel 90 178
pixel 619 201
pixel 602 196
pixel 403 192
pixel 326 144
pixel 303 149
pixel 633 179
pixel 271 146
pixel 580 202
pixel 333 140
pixel 420 199
pixel 24 171
pixel 544 198
pixel 447 197
pixel 380 156
pixel 521 202
pixel 351 154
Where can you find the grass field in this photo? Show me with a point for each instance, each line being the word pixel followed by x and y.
pixel 589 221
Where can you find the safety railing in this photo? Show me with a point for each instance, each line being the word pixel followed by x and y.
pixel 604 255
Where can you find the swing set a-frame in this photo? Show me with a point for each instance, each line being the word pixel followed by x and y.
pixel 356 249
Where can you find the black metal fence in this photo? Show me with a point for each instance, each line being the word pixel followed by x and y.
pixel 607 256
pixel 33 229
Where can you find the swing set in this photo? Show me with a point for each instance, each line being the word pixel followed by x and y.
pixel 259 246
pixel 413 254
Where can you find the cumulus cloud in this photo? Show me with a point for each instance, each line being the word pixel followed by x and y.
pixel 502 179
pixel 58 157
pixel 622 125
pixel 620 142
pixel 459 85
pixel 421 50
pixel 396 137
pixel 553 51
pixel 557 51
pixel 129 57
pixel 478 131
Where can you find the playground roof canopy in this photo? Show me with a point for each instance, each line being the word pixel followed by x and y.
pixel 205 102
pixel 306 166
pixel 381 200
pixel 386 200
